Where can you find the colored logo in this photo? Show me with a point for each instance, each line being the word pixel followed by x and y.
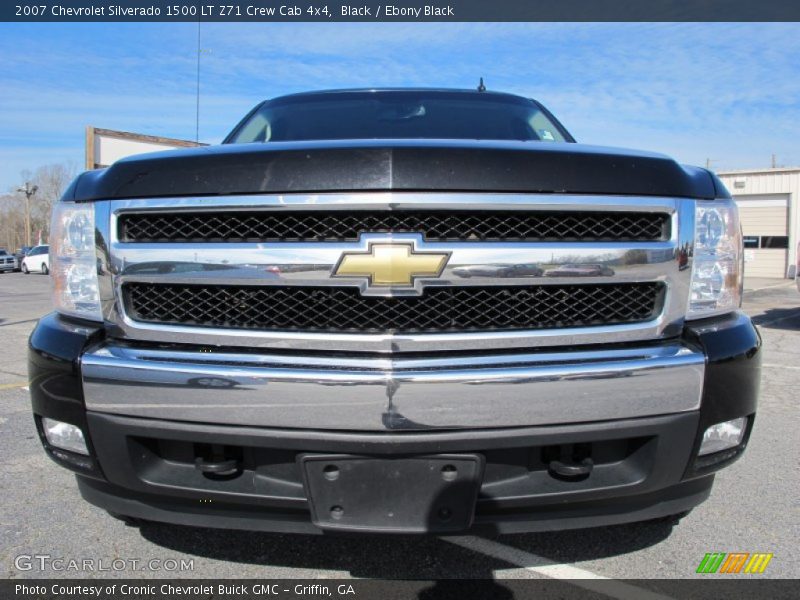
pixel 734 562
pixel 391 265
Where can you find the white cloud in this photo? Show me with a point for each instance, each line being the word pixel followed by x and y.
pixel 729 92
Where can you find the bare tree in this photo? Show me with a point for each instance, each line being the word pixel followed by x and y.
pixel 12 222
pixel 51 181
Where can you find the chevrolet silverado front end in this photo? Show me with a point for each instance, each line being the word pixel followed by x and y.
pixel 278 333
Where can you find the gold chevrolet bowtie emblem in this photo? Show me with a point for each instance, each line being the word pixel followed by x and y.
pixel 391 264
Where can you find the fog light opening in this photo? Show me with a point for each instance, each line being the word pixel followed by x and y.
pixel 723 436
pixel 64 436
pixel 77 461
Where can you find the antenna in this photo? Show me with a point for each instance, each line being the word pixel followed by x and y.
pixel 481 87
pixel 197 100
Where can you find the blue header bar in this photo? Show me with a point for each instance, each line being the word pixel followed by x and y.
pixel 399 10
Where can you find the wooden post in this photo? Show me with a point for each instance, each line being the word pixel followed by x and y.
pixel 90 164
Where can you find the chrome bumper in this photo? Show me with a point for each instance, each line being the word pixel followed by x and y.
pixel 380 394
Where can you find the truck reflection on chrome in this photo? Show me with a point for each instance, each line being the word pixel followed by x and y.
pixel 521 270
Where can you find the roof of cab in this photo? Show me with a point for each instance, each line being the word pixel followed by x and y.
pixel 410 90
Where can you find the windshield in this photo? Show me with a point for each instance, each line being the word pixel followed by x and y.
pixel 398 115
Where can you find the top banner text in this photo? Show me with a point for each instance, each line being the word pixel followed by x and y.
pixel 399 10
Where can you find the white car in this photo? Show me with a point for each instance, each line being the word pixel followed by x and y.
pixel 7 262
pixel 37 260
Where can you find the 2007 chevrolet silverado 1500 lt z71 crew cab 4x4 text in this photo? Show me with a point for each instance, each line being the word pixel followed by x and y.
pixel 282 324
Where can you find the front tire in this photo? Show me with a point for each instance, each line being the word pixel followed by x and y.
pixel 25 269
pixel 45 270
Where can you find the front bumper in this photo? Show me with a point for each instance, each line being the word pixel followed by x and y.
pixel 637 472
pixel 378 394
pixel 638 413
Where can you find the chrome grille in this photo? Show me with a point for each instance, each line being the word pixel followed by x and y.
pixel 340 226
pixel 493 294
pixel 440 309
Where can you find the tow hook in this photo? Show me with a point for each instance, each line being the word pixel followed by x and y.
pixel 567 467
pixel 217 464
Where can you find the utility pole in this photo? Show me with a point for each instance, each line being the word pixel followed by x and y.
pixel 774 161
pixel 29 190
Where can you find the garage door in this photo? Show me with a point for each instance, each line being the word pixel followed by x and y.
pixel 765 223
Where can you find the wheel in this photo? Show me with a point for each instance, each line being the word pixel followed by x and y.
pixel 45 270
pixel 25 269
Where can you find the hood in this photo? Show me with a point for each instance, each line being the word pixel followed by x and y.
pixel 394 165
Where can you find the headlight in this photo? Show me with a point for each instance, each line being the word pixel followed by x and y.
pixel 717 266
pixel 73 261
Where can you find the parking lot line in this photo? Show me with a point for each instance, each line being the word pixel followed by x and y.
pixel 11 386
pixel 548 568
pixel 18 322
pixel 769 287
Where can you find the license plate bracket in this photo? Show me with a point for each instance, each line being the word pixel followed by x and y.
pixel 419 494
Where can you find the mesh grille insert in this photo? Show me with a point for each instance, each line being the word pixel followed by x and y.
pixel 344 309
pixel 333 226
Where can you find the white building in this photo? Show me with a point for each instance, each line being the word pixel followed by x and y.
pixel 106 146
pixel 769 207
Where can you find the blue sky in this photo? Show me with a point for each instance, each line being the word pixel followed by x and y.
pixel 728 92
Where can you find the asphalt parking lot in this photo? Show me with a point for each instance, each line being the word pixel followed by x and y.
pixel 754 506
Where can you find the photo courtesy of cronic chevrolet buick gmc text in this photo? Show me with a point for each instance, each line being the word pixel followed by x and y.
pixel 411 311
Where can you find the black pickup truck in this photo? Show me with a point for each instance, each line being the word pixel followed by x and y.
pixel 396 311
